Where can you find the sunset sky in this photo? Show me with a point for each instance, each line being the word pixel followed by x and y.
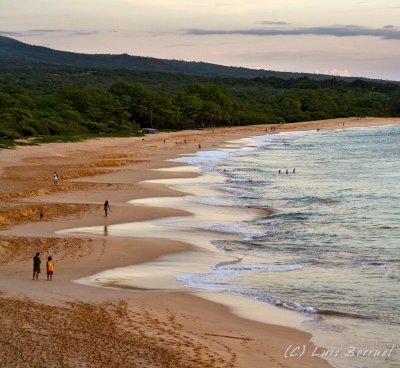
pixel 342 37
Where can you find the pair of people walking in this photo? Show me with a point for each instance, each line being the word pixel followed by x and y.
pixel 49 267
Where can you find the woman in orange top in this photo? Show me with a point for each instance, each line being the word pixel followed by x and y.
pixel 50 268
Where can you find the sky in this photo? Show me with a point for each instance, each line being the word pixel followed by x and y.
pixel 340 37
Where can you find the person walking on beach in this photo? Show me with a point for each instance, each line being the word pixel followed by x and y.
pixel 41 214
pixel 106 208
pixel 36 266
pixel 294 171
pixel 55 177
pixel 50 268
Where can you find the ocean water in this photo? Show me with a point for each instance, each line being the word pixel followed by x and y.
pixel 331 246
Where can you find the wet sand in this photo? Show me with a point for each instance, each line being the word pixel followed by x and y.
pixel 64 323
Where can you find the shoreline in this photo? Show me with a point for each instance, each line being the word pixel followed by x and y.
pixel 114 252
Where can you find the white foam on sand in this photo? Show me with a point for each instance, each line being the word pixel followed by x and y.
pixel 197 186
pixel 188 168
pixel 162 273
pixel 255 310
pixel 208 215
pixel 190 229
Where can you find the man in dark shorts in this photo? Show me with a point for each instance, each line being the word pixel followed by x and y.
pixel 36 266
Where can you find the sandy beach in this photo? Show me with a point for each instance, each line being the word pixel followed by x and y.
pixel 68 324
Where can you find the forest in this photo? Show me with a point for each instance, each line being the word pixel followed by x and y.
pixel 52 102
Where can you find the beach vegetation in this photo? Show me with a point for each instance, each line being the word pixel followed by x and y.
pixel 65 104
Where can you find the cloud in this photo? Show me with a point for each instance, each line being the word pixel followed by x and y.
pixel 83 33
pixel 11 33
pixel 269 22
pixel 45 30
pixel 386 33
pixel 376 9
pixel 41 32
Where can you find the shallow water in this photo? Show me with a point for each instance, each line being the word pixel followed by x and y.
pixel 331 248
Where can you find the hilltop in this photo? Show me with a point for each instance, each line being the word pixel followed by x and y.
pixel 15 53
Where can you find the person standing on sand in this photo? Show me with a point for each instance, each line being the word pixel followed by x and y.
pixel 106 208
pixel 36 266
pixel 55 177
pixel 50 268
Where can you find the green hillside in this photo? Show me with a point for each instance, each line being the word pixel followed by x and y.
pixel 14 53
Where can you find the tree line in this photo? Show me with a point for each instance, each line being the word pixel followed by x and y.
pixel 126 107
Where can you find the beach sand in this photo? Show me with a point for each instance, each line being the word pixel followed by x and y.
pixel 67 324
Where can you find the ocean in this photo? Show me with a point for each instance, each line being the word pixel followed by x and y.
pixel 330 246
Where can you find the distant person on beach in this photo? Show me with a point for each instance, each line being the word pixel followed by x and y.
pixel 287 171
pixel 294 171
pixel 279 171
pixel 50 268
pixel 106 208
pixel 36 266
pixel 41 214
pixel 55 178
pixel 199 146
